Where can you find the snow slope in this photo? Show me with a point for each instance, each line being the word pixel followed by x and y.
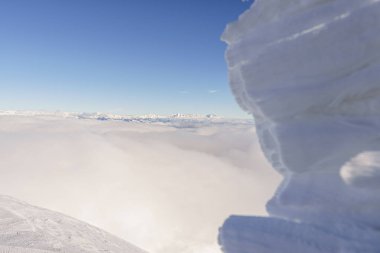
pixel 309 73
pixel 29 229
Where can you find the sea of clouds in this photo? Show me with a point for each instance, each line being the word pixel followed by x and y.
pixel 164 186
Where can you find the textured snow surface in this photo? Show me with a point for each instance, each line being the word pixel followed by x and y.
pixel 309 72
pixel 29 229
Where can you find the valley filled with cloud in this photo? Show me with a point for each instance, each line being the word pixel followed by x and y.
pixel 163 184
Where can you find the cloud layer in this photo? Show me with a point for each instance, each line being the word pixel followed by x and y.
pixel 164 187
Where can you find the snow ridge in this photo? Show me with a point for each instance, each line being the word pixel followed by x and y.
pixel 29 229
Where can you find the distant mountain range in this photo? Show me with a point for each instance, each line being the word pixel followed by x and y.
pixel 148 118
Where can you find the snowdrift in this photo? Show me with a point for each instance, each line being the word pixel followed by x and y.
pixel 309 72
pixel 28 229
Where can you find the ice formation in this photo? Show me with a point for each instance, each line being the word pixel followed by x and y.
pixel 309 72
pixel 28 229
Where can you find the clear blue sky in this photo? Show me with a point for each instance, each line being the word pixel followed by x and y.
pixel 119 56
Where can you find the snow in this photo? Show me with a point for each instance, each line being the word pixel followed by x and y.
pixel 164 184
pixel 29 229
pixel 308 71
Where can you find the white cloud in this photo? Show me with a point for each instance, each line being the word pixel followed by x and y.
pixel 163 188
pixel 212 91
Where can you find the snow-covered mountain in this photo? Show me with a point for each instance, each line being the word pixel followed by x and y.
pixel 109 116
pixel 28 229
pixel 176 120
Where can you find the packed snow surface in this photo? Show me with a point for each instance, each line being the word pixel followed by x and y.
pixel 162 183
pixel 309 73
pixel 29 229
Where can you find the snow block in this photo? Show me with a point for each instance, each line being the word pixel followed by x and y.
pixel 309 73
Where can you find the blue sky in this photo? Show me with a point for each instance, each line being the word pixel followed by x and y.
pixel 118 56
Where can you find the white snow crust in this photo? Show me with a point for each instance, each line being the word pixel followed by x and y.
pixel 29 229
pixel 309 73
